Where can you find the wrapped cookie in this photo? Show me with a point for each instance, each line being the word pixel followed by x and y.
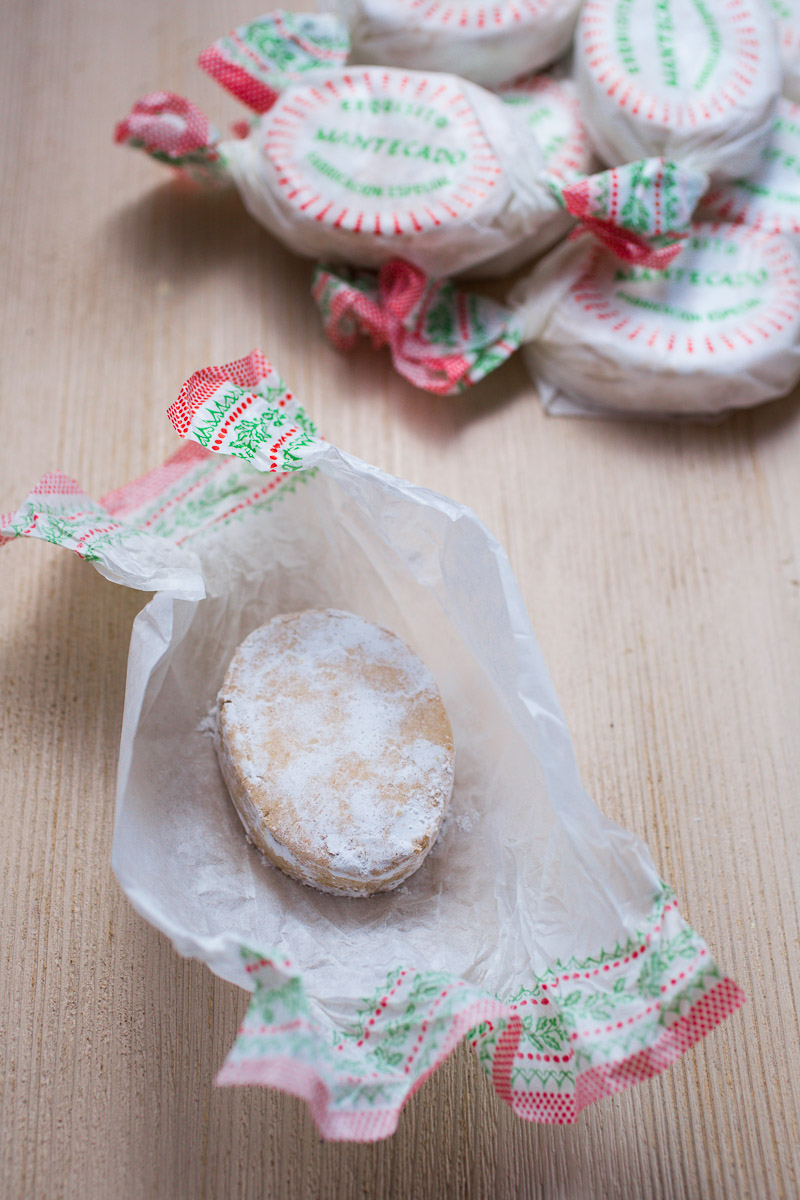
pixel 535 928
pixel 488 43
pixel 552 111
pixel 694 82
pixel 717 328
pixel 364 164
pixel 787 18
pixel 768 199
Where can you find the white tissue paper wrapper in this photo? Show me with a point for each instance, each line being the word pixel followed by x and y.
pixel 718 329
pixel 550 106
pixel 536 928
pixel 787 18
pixel 694 82
pixel 769 199
pixel 714 327
pixel 381 163
pixel 363 164
pixel 488 43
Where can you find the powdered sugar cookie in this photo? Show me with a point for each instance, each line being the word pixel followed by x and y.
pixel 336 749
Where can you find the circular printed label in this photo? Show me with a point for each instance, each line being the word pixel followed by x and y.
pixel 731 288
pixel 770 198
pixel 551 109
pixel 380 151
pixel 472 15
pixel 678 63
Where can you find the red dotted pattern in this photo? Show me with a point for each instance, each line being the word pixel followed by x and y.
pixel 631 247
pixel 704 1016
pixel 248 502
pixel 85 519
pixel 151 486
pixel 393 314
pixel 595 42
pixel 575 153
pixel 598 208
pixel 595 291
pixel 251 90
pixel 54 483
pixel 558 1102
pixel 244 372
pixel 545 1108
pixel 242 70
pixel 164 123
pixel 293 116
pixel 300 1079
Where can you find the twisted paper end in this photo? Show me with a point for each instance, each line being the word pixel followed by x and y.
pixel 245 409
pixel 176 132
pixel 642 211
pixel 441 339
pixel 255 62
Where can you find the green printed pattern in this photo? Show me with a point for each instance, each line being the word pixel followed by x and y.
pixel 259 60
pixel 218 491
pixel 398 1035
pixel 652 197
pixel 578 1015
pixel 83 527
pixel 205 165
pixel 293 43
pixel 606 1008
pixel 59 512
pixel 261 425
pixel 441 338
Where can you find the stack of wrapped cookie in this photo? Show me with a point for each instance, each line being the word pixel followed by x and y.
pixel 649 178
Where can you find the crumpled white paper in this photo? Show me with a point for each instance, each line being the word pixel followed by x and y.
pixel 535 926
pixel 526 870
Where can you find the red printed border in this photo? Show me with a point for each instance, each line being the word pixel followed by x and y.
pixel 288 116
pixel 607 1079
pixel 591 293
pixel 152 485
pixel 575 154
pixel 252 91
pixel 486 17
pixel 301 1080
pixel 596 40
pixel 739 208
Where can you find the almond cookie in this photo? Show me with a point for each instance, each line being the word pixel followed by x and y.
pixel 336 749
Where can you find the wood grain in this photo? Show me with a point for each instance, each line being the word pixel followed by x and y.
pixel 661 567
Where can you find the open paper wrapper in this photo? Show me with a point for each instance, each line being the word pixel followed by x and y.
pixel 537 929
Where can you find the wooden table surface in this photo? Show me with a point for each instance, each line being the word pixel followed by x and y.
pixel 660 566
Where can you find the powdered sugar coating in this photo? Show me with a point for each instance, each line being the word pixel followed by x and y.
pixel 336 749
